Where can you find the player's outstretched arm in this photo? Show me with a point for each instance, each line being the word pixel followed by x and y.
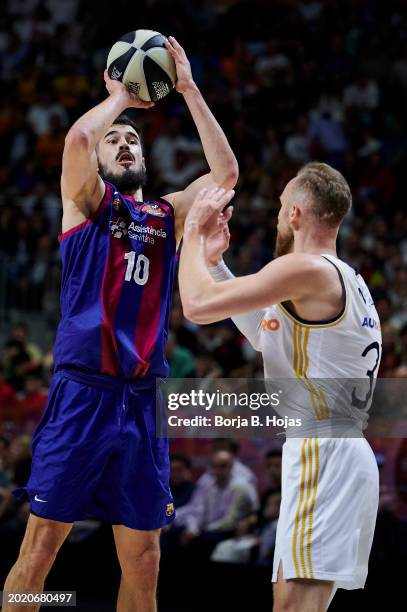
pixel 81 186
pixel 249 323
pixel 291 277
pixel 224 170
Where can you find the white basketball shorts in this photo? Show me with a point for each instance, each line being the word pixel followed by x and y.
pixel 330 494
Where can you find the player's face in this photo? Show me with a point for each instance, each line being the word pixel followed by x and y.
pixel 285 234
pixel 120 158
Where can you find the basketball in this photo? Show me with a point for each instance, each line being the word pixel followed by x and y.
pixel 141 61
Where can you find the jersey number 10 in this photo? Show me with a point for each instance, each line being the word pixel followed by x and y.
pixel 138 269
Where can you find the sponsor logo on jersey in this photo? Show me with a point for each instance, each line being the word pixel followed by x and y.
pixel 147 229
pixel 170 510
pixel 154 209
pixel 372 323
pixel 118 228
pixel 270 325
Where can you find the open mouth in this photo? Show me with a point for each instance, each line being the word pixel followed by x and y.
pixel 125 159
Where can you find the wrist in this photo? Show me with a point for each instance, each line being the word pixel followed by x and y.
pixel 189 88
pixel 192 230
pixel 214 262
pixel 121 97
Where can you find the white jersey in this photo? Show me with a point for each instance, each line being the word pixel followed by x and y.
pixel 346 349
pixel 330 484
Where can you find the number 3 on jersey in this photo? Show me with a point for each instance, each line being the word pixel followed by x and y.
pixel 138 268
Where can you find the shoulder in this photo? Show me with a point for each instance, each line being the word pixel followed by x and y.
pixel 299 268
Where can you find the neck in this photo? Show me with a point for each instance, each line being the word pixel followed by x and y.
pixel 316 243
pixel 137 195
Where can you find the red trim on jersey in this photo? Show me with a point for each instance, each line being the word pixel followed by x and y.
pixel 145 337
pixel 112 284
pixel 77 228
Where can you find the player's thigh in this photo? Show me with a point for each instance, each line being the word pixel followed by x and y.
pixel 136 548
pixel 44 537
pixel 301 595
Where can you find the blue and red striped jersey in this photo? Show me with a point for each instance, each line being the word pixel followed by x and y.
pixel 117 277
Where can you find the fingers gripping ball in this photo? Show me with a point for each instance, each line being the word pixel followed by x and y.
pixel 141 61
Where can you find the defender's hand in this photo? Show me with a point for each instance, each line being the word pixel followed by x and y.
pixel 117 87
pixel 182 65
pixel 204 213
pixel 218 242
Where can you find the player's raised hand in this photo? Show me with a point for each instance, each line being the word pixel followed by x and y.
pixel 218 242
pixel 184 74
pixel 114 86
pixel 203 215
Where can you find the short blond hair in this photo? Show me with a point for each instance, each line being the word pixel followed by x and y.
pixel 329 192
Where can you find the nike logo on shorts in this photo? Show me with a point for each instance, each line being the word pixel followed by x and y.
pixel 40 500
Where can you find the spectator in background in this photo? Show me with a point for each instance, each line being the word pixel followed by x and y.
pixel 180 359
pixel 361 94
pixel 206 366
pixel 296 146
pixel 168 144
pixel 241 473
pixel 256 542
pixel 213 514
pixel 31 401
pixel 20 356
pixel 7 392
pixel 327 139
pixel 40 114
pixel 50 145
pixel 268 528
pixel 254 521
pixel 181 483
pixel 272 466
pixel 225 345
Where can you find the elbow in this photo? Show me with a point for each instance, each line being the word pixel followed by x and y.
pixel 229 176
pixel 194 313
pixel 232 176
pixel 191 312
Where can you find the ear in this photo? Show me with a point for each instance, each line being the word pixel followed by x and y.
pixel 295 216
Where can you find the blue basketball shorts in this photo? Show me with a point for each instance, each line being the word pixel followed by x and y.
pixel 96 454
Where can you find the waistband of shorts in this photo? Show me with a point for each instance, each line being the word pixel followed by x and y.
pixel 104 381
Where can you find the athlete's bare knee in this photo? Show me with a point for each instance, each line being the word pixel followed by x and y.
pixel 40 547
pixel 142 568
pixel 285 603
pixel 37 559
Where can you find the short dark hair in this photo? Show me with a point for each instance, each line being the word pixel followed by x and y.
pixel 125 119
pixel 182 459
pixel 329 190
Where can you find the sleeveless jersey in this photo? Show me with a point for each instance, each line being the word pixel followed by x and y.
pixel 117 278
pixel 346 350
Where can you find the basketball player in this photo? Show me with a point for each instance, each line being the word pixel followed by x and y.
pixel 306 313
pixel 95 451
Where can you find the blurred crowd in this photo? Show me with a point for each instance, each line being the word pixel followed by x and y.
pixel 289 81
